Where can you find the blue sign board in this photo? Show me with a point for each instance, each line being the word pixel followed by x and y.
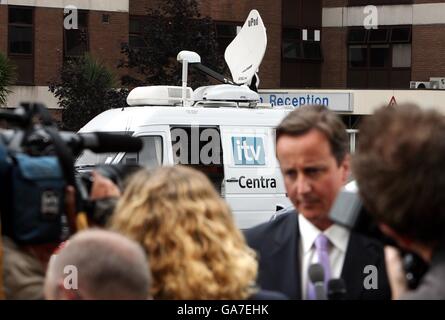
pixel 248 151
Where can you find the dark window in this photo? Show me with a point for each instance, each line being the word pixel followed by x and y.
pixel 291 44
pixel 294 47
pixel 82 19
pixel 301 51
pixel 358 56
pixel 378 35
pixel 291 33
pixel 401 35
pixel 76 40
pixel 357 35
pixel 292 50
pixel 225 33
pixel 312 50
pixel 184 152
pixel 21 42
pixel 136 39
pixel 301 55
pixel 21 31
pixel 21 16
pixel 381 60
pixel 226 30
pixel 379 56
pixel 106 18
pixel 135 25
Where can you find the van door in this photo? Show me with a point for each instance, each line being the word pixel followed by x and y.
pixel 155 151
pixel 199 147
pixel 253 185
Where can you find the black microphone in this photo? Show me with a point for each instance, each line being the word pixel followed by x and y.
pixel 316 275
pixel 336 289
pixel 101 142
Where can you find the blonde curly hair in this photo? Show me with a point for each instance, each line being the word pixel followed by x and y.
pixel 193 245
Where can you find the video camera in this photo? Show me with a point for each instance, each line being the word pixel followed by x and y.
pixel 348 210
pixel 36 166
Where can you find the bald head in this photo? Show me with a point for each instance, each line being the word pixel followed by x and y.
pixel 98 264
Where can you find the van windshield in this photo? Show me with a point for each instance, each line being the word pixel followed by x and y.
pixel 150 156
pixel 89 158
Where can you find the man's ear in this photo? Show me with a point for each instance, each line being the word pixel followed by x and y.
pixel 403 241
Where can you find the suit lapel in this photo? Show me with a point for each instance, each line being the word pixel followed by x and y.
pixel 284 266
pixel 351 272
pixel 297 259
pixel 285 255
pixel 358 255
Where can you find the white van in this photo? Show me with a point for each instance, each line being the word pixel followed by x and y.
pixel 220 130
pixel 245 169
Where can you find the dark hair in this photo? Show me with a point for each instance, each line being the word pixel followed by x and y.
pixel 399 167
pixel 318 117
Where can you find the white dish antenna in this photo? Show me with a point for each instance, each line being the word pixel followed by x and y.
pixel 245 53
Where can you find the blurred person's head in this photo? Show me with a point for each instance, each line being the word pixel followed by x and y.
pixel 98 265
pixel 399 167
pixel 194 247
pixel 312 148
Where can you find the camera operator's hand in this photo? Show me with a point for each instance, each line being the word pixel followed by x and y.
pixel 395 271
pixel 103 188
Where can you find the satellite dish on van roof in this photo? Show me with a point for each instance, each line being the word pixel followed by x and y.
pixel 245 53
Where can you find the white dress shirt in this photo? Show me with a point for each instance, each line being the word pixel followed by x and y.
pixel 338 242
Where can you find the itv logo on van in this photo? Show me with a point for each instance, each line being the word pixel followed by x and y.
pixel 248 151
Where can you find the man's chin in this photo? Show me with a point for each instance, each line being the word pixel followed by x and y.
pixel 311 213
pixel 316 217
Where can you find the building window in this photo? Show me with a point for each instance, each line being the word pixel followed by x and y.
pixel 401 55
pixel 357 36
pixel 225 33
pixel 76 40
pixel 301 44
pixel 301 57
pixel 379 58
pixel 21 43
pixel 291 44
pixel 358 56
pixel 106 19
pixel 136 39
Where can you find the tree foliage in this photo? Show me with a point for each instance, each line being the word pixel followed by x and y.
pixel 174 26
pixel 86 88
pixel 7 77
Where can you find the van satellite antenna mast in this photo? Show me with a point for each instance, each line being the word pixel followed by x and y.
pixel 243 56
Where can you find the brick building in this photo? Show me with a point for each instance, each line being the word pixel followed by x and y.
pixel 311 43
pixel 408 44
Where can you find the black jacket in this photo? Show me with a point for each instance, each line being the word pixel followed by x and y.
pixel 277 244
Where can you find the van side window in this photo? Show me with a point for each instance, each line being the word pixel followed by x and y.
pixel 199 147
pixel 151 154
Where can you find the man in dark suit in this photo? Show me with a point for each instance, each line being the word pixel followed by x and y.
pixel 312 148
